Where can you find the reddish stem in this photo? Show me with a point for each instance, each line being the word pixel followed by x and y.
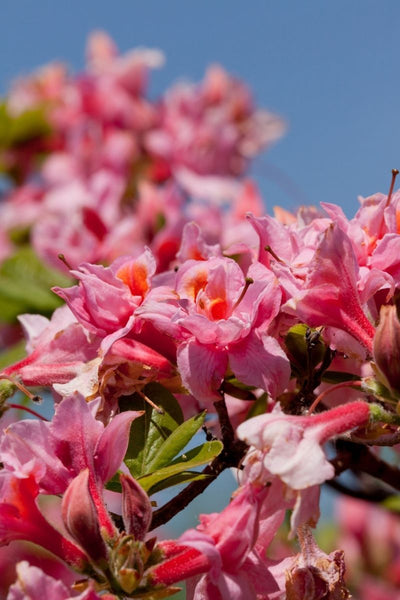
pixel 323 394
pixel 29 410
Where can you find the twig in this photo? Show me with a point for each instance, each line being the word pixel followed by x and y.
pixel 231 456
pixel 359 458
pixel 377 495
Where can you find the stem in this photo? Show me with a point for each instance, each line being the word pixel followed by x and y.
pixel 360 459
pixel 231 456
pixel 29 410
pixel 372 496
pixel 318 399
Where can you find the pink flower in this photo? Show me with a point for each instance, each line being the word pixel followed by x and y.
pixel 330 296
pixel 74 440
pixel 212 128
pixel 291 445
pixel 33 584
pixel 20 519
pixel 217 316
pixel 106 299
pixel 59 349
pixel 237 570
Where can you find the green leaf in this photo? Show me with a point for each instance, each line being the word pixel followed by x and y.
pixel 259 407
pixel 25 284
pixel 242 386
pixel 12 354
pixel 114 483
pixel 305 348
pixel 392 503
pixel 338 377
pixel 27 126
pixel 179 479
pixel 149 432
pixel 193 458
pixel 176 442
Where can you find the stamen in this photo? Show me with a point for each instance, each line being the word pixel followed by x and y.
pixel 395 172
pixel 158 409
pixel 64 260
pixel 248 281
pixel 272 253
pixel 33 397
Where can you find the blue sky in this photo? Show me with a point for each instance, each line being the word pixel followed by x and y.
pixel 330 68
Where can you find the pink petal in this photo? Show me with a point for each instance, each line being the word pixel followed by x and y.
pixel 261 362
pixel 33 584
pixel 202 369
pixel 112 444
pixel 330 296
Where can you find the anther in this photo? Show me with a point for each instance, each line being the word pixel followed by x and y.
pixel 395 172
pixel 24 390
pixel 64 260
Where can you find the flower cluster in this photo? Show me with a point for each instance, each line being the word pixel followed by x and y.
pixel 182 306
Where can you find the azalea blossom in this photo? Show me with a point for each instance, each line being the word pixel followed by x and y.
pixel 291 445
pixel 219 318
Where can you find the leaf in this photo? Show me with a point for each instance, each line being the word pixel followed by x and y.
pixel 179 479
pixel 338 377
pixel 12 354
pixel 27 126
pixel 392 503
pixel 149 432
pixel 25 284
pixel 176 442
pixel 305 348
pixel 193 458
pixel 259 407
pixel 114 484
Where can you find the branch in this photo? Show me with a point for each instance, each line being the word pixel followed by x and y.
pixel 376 495
pixel 231 456
pixel 359 458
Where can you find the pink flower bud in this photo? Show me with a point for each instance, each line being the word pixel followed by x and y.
pixel 80 517
pixel 136 508
pixel 387 346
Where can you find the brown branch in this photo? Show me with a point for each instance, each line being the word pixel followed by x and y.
pixel 380 469
pixel 376 495
pixel 231 456
pixel 359 458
